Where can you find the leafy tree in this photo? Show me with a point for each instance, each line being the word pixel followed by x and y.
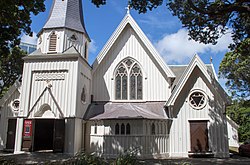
pixel 206 22
pixel 239 112
pixel 15 18
pixel 11 69
pixel 236 68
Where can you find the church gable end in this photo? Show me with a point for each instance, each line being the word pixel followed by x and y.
pixel 128 41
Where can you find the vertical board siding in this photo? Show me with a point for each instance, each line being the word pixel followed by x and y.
pixel 63 41
pixel 64 91
pixel 6 113
pixel 84 79
pixel 155 85
pixel 212 113
pixel 105 143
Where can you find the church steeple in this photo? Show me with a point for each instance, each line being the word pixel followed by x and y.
pixel 66 14
pixel 64 28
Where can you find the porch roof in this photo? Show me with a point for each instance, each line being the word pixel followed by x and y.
pixel 111 110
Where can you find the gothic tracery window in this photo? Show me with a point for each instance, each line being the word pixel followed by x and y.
pixel 128 81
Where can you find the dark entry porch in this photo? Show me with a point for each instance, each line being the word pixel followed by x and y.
pixel 44 135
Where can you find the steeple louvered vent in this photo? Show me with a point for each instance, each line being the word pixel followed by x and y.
pixel 52 42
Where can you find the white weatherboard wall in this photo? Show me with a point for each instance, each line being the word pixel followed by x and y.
pixel 128 44
pixel 6 113
pixel 84 81
pixel 232 129
pixel 73 135
pixel 63 89
pixel 108 144
pixel 180 142
pixel 63 41
pixel 62 73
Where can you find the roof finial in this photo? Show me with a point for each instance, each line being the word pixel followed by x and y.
pixel 211 59
pixel 128 8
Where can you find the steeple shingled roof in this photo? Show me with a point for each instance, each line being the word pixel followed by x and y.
pixel 66 14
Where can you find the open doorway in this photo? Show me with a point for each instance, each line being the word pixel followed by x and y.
pixel 43 134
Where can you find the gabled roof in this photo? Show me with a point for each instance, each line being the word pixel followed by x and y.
pixel 66 14
pixel 195 62
pixel 179 70
pixel 11 90
pixel 129 20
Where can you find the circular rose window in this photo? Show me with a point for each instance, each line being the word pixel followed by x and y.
pixel 197 99
pixel 15 105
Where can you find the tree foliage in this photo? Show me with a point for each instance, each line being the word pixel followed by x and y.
pixel 239 112
pixel 236 68
pixel 206 22
pixel 11 68
pixel 15 18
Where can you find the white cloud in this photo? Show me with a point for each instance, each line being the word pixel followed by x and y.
pixel 92 47
pixel 178 49
pixel 28 39
pixel 157 22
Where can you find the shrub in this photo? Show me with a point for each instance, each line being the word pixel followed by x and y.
pixel 128 158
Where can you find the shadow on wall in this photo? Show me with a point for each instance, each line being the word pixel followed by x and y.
pixel 218 126
pixel 112 145
pixel 217 129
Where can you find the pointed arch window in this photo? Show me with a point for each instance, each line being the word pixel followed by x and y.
pixel 128 129
pixel 122 129
pixel 153 129
pixel 128 81
pixel 117 131
pixel 83 95
pixel 95 131
pixel 52 42
pixel 121 80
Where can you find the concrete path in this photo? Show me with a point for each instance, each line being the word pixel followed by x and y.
pixel 236 160
pixel 43 158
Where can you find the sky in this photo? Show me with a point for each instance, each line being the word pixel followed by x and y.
pixel 162 29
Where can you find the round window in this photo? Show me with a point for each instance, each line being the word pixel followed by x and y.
pixel 15 105
pixel 197 99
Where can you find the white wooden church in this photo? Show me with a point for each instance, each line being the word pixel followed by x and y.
pixel 129 99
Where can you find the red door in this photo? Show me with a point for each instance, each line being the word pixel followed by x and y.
pixel 199 136
pixel 28 127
